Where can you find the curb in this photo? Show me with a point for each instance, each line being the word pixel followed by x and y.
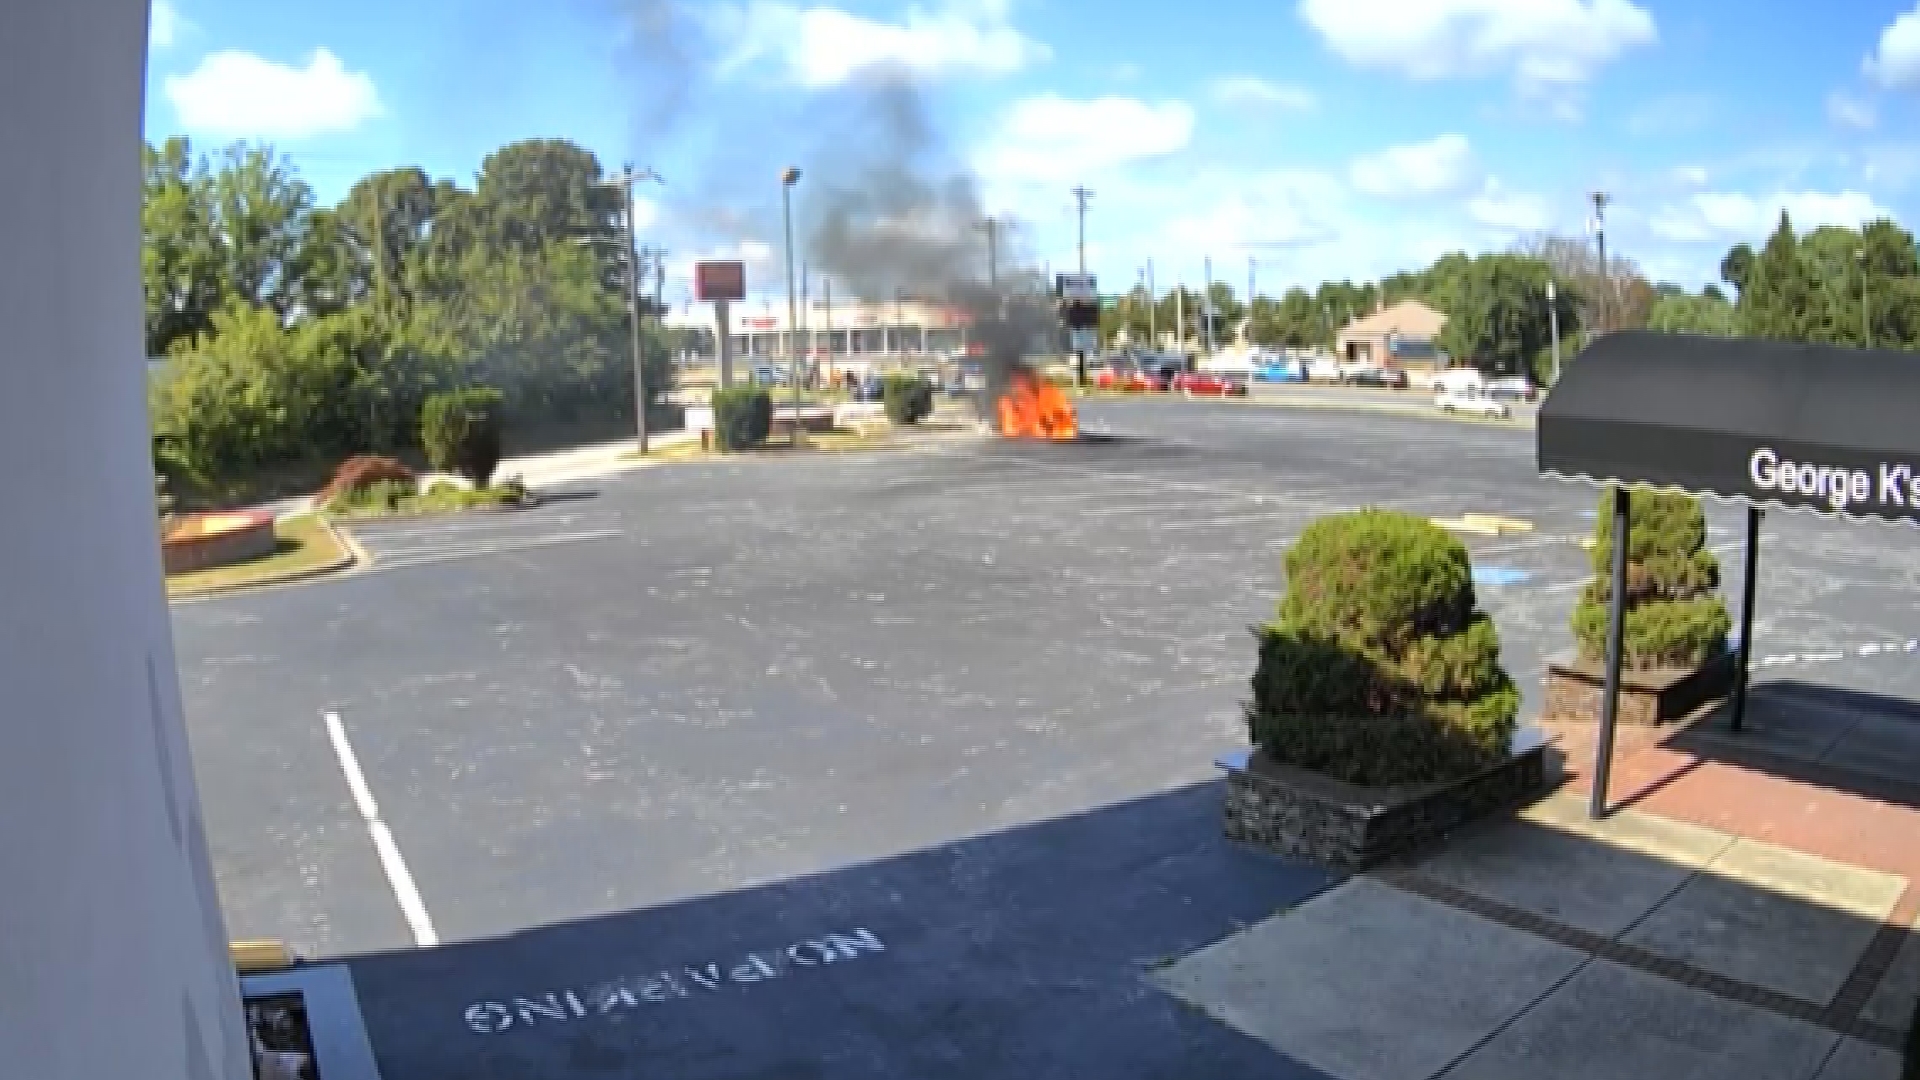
pixel 353 558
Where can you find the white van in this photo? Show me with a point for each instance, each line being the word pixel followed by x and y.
pixel 1460 382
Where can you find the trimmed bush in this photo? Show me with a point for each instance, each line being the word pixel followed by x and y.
pixel 908 398
pixel 363 471
pixel 1380 671
pixel 461 432
pixel 1673 616
pixel 742 417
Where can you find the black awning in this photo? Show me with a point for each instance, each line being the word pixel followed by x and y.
pixel 1805 427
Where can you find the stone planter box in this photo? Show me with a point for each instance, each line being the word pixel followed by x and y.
pixel 206 541
pixel 1303 814
pixel 1647 698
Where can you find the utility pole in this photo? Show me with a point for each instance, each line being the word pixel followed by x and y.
pixel 1180 320
pixel 1553 325
pixel 1080 196
pixel 992 225
pixel 1246 330
pixel 1600 200
pixel 1866 320
pixel 1153 306
pixel 1206 305
pixel 628 178
pixel 826 293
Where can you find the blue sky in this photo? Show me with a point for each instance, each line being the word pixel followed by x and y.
pixel 1320 138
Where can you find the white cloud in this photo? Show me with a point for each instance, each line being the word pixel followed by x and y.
pixel 164 26
pixel 1251 90
pixel 1691 175
pixel 1441 166
pixel 1544 43
pixel 1509 210
pixel 1849 111
pixel 1895 64
pixel 1715 215
pixel 1054 139
pixel 821 47
pixel 237 95
pixel 1266 211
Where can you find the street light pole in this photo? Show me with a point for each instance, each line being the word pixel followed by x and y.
pixel 1600 200
pixel 789 178
pixel 1553 327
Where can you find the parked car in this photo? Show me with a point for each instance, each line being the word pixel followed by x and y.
pixel 1162 371
pixel 1278 369
pixel 968 377
pixel 1322 369
pixel 1513 388
pixel 1472 402
pixel 1124 374
pixel 1390 378
pixel 1208 383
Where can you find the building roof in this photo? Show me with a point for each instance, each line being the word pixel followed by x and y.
pixel 1408 318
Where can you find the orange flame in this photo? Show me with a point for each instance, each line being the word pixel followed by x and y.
pixel 1032 409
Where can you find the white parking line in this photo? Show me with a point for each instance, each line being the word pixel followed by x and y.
pixel 407 558
pixel 372 531
pixel 404 890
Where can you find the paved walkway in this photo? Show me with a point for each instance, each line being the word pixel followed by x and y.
pixel 1747 913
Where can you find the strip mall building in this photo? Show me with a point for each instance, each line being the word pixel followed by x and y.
pixel 843 335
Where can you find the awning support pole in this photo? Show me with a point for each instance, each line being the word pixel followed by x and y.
pixel 1616 627
pixel 1746 617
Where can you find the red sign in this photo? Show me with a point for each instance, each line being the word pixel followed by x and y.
pixel 758 323
pixel 719 281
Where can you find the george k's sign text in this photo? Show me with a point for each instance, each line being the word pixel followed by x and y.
pixel 1891 485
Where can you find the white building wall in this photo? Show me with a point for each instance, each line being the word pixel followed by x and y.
pixel 113 957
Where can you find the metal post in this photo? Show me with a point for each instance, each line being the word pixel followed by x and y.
pixel 787 179
pixel 1080 196
pixel 1180 320
pixel 993 257
pixel 826 294
pixel 1746 617
pixel 1553 320
pixel 1616 620
pixel 633 315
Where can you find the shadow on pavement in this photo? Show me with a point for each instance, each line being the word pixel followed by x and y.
pixel 1019 955
pixel 1850 741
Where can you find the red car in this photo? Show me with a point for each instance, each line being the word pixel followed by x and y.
pixel 1194 383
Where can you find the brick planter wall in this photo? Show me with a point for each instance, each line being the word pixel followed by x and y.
pixel 1301 814
pixel 1647 698
pixel 185 554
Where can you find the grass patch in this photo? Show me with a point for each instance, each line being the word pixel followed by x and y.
pixel 305 545
pixel 397 499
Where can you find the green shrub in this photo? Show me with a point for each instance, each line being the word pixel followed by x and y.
pixel 379 497
pixel 742 417
pixel 1380 671
pixel 461 432
pixel 1673 616
pixel 908 398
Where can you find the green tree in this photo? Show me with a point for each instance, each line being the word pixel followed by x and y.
pixel 1736 266
pixel 1679 312
pixel 261 213
pixel 1777 300
pixel 179 259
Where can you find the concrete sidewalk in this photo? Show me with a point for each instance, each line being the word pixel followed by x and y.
pixel 1547 945
pixel 543 469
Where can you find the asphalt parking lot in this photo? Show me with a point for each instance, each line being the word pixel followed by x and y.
pixel 867 765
